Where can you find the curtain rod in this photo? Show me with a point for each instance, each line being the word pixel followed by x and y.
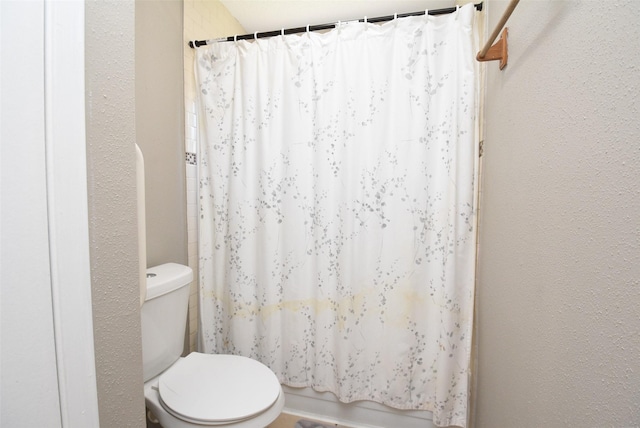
pixel 197 43
pixel 503 20
pixel 499 51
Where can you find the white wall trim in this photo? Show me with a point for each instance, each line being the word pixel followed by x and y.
pixel 65 144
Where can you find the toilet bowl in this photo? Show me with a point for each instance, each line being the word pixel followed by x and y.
pixel 199 389
pixel 194 392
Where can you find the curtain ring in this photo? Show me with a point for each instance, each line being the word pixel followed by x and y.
pixel 235 38
pixel 395 16
pixel 307 28
pixel 255 35
pixel 282 32
pixel 365 19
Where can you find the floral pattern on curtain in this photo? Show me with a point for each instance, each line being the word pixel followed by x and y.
pixel 337 178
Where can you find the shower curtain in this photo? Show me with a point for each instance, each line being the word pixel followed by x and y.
pixel 337 184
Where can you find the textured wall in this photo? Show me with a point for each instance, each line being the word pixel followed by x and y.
pixel 558 282
pixel 160 127
pixel 110 120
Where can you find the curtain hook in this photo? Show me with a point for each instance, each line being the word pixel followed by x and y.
pixel 426 13
pixel 235 38
pixel 395 16
pixel 282 32
pixel 365 19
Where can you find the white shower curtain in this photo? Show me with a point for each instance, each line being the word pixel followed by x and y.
pixel 337 179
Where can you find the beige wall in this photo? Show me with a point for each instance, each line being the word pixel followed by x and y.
pixel 558 283
pixel 160 126
pixel 110 120
pixel 127 87
pixel 202 20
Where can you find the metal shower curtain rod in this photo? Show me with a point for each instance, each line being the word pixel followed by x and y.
pixel 198 43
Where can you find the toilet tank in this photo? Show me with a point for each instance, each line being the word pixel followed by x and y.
pixel 164 317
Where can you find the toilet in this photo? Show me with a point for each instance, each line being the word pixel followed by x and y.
pixel 198 390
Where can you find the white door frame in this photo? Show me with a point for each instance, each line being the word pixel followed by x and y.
pixel 45 268
pixel 65 143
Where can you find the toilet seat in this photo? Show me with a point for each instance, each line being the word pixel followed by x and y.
pixel 217 389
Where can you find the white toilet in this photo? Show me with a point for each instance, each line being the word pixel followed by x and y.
pixel 199 389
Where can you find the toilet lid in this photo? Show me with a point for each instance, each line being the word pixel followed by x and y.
pixel 217 388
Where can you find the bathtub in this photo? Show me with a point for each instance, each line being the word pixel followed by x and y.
pixel 324 406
